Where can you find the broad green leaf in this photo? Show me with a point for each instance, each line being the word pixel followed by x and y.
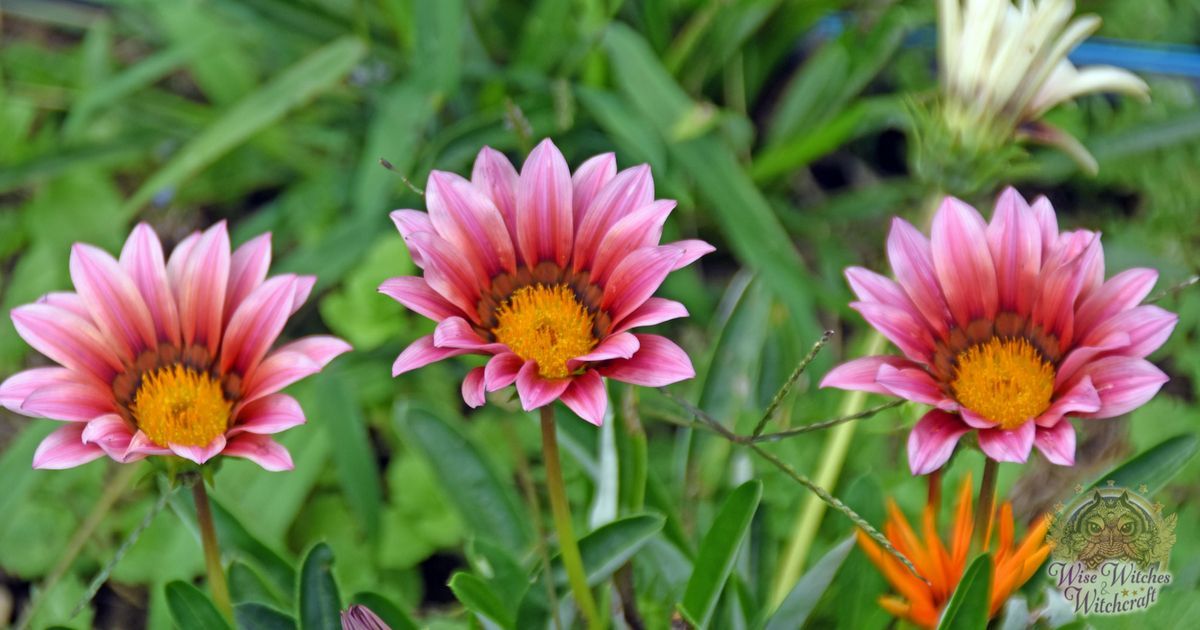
pixel 440 29
pixel 1156 466
pixel 718 551
pixel 260 616
pixel 794 611
pixel 609 546
pixel 390 613
pixel 970 604
pixel 191 609
pixel 486 502
pixel 246 585
pixel 478 597
pixel 504 572
pixel 291 88
pixel 317 601
pixel 338 411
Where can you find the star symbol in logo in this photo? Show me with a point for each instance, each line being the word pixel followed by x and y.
pixel 1111 482
pixel 1125 592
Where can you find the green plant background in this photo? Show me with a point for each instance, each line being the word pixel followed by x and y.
pixel 784 149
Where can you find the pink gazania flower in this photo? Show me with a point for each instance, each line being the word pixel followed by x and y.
pixel 167 358
pixel 548 273
pixel 1007 329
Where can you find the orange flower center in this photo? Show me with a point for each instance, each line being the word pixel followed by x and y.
pixel 176 404
pixel 546 324
pixel 1006 381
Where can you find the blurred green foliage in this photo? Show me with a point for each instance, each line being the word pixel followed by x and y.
pixel 784 149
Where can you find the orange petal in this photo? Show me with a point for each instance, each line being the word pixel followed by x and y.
pixel 913 548
pixel 960 541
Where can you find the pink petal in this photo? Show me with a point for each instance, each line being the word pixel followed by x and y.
pixel 1008 446
pixel 859 374
pixel 304 286
pixel 1082 397
pixel 872 287
pixel 629 190
pixel 200 454
pixel 456 332
pixel 113 301
pixel 536 391
pixel 617 346
pixel 1047 222
pixel 415 294
pixel 65 449
pixel 142 259
pixel 587 397
pixel 900 327
pixel 588 180
pixel 636 279
pixel 1147 328
pixel 974 420
pixel 501 371
pixel 964 266
pixel 468 220
pixel 913 383
pixel 1122 292
pixel 690 250
pixel 1063 278
pixel 1015 240
pixel 179 257
pixel 261 450
pixel 472 388
pixel 16 388
pixel 277 371
pixel 420 353
pixel 410 222
pixel 247 269
pixel 912 262
pixel 142 445
pixel 320 349
pixel 113 435
pixel 268 415
pixel 256 324
pixel 932 441
pixel 66 339
pixel 1081 356
pixel 653 311
pixel 496 177
pixel 658 362
pixel 545 219
pixel 200 292
pixel 1124 384
pixel 1057 443
pixel 640 228
pixel 71 401
pixel 448 273
pixel 70 302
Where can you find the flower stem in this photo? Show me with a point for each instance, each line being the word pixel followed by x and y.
pixel 572 561
pixel 212 552
pixel 985 507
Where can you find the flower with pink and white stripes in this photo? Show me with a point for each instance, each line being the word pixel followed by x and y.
pixel 1007 329
pixel 548 273
pixel 167 357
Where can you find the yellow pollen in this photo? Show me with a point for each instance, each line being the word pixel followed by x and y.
pixel 1004 380
pixel 176 404
pixel 546 324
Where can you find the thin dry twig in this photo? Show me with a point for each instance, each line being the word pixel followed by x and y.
pixel 791 382
pixel 389 166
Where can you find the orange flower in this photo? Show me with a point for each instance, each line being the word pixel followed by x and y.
pixel 942 565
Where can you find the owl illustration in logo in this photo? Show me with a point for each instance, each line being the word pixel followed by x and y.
pixel 1111 528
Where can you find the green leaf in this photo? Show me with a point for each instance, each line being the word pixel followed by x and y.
pixel 339 413
pixel 799 604
pixel 246 585
pixel 609 546
pixel 390 613
pixel 262 617
pixel 476 595
pixel 970 604
pixel 191 609
pixel 319 605
pixel 440 27
pixel 486 502
pixel 291 88
pixel 1156 466
pixel 718 551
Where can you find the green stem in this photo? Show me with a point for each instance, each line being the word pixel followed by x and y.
pixel 212 552
pixel 572 561
pixel 986 506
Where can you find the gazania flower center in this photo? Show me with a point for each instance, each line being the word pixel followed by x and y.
pixel 176 404
pixel 546 324
pixel 1005 380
